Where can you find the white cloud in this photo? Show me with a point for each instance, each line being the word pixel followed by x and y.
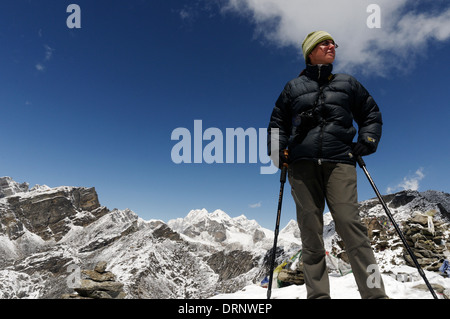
pixel 256 205
pixel 185 14
pixel 48 52
pixel 194 9
pixel 409 182
pixel 47 57
pixel 40 67
pixel 406 29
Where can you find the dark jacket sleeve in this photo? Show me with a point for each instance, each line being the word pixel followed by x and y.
pixel 368 117
pixel 282 120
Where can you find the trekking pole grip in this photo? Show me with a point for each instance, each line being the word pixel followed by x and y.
pixel 284 168
pixel 360 161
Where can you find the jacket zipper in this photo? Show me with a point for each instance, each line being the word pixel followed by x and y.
pixel 319 161
pixel 319 101
pixel 318 78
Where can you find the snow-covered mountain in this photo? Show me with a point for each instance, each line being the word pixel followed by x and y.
pixel 220 231
pixel 45 232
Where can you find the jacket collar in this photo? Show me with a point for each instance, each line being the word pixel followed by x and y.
pixel 320 73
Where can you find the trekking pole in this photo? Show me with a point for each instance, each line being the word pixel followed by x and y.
pixel 362 164
pixel 277 224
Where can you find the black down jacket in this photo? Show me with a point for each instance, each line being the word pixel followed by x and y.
pixel 315 114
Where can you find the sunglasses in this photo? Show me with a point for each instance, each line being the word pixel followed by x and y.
pixel 327 43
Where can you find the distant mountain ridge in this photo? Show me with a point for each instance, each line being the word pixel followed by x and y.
pixel 45 230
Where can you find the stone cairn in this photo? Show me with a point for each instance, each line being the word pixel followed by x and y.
pixel 425 235
pixel 97 284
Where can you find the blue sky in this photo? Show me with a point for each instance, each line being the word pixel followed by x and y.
pixel 96 106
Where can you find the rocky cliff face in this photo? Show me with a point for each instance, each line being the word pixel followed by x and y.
pixel 51 214
pixel 49 235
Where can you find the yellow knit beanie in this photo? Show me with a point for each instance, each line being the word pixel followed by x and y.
pixel 313 39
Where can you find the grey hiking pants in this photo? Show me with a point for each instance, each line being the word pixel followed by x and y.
pixel 311 185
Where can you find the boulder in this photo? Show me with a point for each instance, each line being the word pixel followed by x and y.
pixel 100 289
